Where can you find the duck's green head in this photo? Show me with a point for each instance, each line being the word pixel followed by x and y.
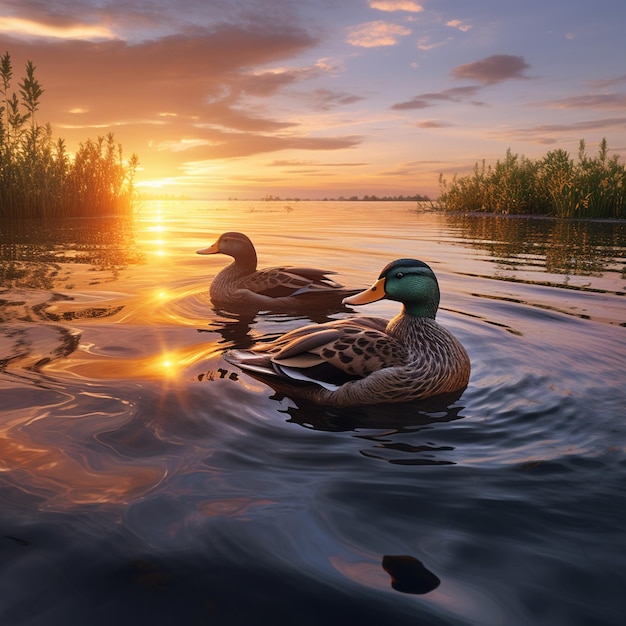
pixel 409 281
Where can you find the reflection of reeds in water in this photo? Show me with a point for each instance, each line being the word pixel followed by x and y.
pixel 32 252
pixel 582 248
pixel 30 348
pixel 35 260
pixel 563 247
pixel 555 185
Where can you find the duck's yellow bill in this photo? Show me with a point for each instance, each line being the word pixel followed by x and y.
pixel 212 249
pixel 375 292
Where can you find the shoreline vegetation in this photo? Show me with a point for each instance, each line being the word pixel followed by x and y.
pixel 554 186
pixel 39 178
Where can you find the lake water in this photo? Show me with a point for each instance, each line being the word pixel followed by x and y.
pixel 143 480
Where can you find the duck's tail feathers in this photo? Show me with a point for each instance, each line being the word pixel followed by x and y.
pixel 264 367
pixel 251 361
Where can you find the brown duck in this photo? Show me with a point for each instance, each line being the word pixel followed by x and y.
pixel 242 286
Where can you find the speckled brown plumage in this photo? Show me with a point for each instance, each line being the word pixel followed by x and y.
pixel 365 360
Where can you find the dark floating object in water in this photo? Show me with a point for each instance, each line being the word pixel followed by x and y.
pixel 408 575
pixel 21 542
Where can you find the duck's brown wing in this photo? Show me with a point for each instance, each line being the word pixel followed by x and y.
pixel 308 332
pixel 281 282
pixel 327 354
pixel 350 348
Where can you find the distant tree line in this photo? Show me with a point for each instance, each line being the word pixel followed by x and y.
pixel 554 185
pixel 39 178
pixel 366 198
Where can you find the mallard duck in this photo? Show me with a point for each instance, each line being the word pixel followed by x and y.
pixel 368 360
pixel 242 285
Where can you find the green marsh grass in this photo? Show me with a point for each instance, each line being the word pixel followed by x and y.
pixel 38 178
pixel 554 185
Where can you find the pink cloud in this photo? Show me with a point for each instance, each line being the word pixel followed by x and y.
pixel 376 34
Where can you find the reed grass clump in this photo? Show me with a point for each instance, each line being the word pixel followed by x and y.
pixel 38 178
pixel 554 185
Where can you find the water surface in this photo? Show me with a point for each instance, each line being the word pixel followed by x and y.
pixel 144 478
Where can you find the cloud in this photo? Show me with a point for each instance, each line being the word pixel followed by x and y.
pixel 375 34
pixel 293 163
pixel 603 100
pixel 199 95
pixel 233 145
pixel 603 83
pixel 92 22
pixel 182 145
pixel 413 168
pixel 29 28
pixel 423 43
pixel 401 172
pixel 590 101
pixel 206 75
pixel 433 124
pixel 325 99
pixel 396 5
pixel 548 133
pixel 300 163
pixel 493 69
pixel 425 100
pixel 145 20
pixel 459 25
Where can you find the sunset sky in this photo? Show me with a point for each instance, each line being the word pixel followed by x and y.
pixel 323 98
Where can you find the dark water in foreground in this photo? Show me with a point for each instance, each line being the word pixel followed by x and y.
pixel 144 480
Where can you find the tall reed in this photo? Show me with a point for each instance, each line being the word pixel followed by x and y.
pixel 554 185
pixel 38 178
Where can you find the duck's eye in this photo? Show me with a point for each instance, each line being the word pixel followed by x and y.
pixel 399 274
